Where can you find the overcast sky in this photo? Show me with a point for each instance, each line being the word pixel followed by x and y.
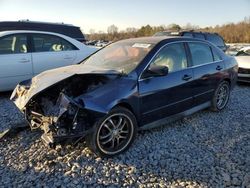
pixel 99 14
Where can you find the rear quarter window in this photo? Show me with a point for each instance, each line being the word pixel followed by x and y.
pixel 216 55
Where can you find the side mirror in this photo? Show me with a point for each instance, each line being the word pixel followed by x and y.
pixel 155 70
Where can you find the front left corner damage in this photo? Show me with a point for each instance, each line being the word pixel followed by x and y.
pixel 60 110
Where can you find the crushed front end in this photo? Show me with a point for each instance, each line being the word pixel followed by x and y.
pixel 60 120
pixel 58 110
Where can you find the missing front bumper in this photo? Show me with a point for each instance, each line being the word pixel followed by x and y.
pixel 51 140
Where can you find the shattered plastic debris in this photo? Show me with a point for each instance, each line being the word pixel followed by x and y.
pixel 2 134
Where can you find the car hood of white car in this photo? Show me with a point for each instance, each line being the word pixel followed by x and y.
pixel 243 61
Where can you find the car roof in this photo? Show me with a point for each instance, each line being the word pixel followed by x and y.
pixel 72 40
pixel 3 33
pixel 157 39
pixel 151 39
pixel 187 31
pixel 65 29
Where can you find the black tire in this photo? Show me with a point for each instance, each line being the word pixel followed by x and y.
pixel 219 100
pixel 114 133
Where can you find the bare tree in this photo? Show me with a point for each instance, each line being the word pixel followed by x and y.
pixel 174 27
pixel 92 31
pixel 231 32
pixel 112 29
pixel 131 30
pixel 189 26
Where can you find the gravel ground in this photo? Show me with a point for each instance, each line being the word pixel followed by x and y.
pixel 204 150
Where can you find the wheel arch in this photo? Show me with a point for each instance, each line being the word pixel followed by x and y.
pixel 227 80
pixel 128 107
pixel 125 105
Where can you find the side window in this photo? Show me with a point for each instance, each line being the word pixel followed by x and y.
pixel 217 57
pixel 173 56
pixel 14 44
pixel 67 46
pixel 200 52
pixel 186 34
pixel 50 43
pixel 199 36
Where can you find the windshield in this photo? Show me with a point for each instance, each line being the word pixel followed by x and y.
pixel 123 56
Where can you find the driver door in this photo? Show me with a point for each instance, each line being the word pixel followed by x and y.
pixel 162 96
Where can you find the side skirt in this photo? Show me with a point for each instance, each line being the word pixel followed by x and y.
pixel 175 117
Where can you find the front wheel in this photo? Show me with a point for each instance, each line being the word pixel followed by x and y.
pixel 114 133
pixel 221 96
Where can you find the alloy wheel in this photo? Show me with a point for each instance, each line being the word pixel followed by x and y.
pixel 222 96
pixel 115 133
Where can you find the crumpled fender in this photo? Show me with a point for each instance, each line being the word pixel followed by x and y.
pixel 112 94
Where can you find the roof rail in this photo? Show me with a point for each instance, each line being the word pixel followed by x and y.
pixel 58 23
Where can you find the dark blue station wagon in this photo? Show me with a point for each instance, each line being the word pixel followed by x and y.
pixel 130 85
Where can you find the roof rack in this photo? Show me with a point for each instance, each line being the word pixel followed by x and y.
pixel 58 23
pixel 189 30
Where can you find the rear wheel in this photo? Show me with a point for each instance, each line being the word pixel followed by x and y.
pixel 221 96
pixel 114 133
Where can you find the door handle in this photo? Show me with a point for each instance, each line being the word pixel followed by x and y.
pixel 68 57
pixel 186 77
pixel 218 68
pixel 24 60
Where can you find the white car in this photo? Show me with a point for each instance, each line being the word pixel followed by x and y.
pixel 24 54
pixel 243 59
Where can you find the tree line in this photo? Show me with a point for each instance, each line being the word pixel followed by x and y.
pixel 231 32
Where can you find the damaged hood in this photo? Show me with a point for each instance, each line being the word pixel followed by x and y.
pixel 27 89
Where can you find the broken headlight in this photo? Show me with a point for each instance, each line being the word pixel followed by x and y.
pixel 65 103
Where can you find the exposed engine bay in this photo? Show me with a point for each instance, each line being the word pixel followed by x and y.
pixel 58 110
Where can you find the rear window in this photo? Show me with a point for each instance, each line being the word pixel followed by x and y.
pixel 215 39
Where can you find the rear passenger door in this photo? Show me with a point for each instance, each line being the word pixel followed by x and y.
pixel 207 70
pixel 50 51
